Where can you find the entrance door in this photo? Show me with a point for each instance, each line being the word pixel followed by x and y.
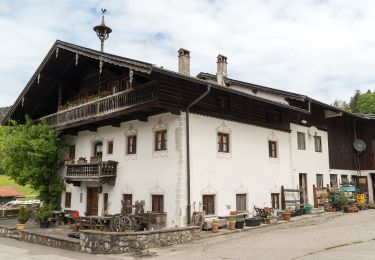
pixel 92 201
pixel 373 185
pixel 303 187
pixel 362 184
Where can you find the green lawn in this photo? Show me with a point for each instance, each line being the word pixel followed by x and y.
pixel 25 190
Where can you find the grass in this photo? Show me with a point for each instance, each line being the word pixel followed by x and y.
pixel 25 190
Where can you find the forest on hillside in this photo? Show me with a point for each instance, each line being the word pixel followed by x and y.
pixel 359 103
pixel 3 111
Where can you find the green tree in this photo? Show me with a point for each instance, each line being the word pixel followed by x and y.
pixel 366 103
pixel 341 105
pixel 29 155
pixel 354 100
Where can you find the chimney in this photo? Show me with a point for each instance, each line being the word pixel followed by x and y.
pixel 184 62
pixel 221 69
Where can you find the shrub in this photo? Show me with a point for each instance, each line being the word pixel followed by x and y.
pixel 23 215
pixel 44 213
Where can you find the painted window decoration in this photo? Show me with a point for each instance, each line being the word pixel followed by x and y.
pixel 161 140
pixel 272 149
pixel 110 147
pixel 132 144
pixel 223 142
pixel 318 143
pixel 241 202
pixel 275 200
pixel 68 199
pixel 333 180
pixel 209 204
pixel 319 180
pixel 158 203
pixel 128 198
pixel 301 140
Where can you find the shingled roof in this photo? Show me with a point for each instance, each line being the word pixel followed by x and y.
pixel 10 192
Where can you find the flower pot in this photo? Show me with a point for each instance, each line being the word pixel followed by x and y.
pixel 287 216
pixel 20 226
pixel 239 224
pixel 75 227
pixel 252 222
pixel 233 213
pixel 232 225
pixel 215 227
pixel 44 224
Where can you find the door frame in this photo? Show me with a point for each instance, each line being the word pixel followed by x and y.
pixel 302 181
pixel 89 200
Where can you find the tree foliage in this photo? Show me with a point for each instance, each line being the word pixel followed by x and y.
pixel 360 103
pixel 29 155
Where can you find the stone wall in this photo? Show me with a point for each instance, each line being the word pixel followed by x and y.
pixel 97 242
pixel 7 231
pixel 43 239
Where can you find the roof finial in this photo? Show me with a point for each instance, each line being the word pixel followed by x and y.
pixel 102 31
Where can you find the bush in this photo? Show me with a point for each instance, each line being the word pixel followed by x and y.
pixel 342 200
pixel 232 219
pixel 44 213
pixel 23 215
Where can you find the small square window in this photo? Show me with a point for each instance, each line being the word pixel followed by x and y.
pixel 301 139
pixel 209 204
pixel 110 147
pixel 132 145
pixel 318 143
pixel 161 140
pixel 272 149
pixel 223 142
pixel 319 180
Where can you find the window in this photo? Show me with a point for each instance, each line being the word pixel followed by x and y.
pixel 318 143
pixel 273 116
pixel 333 180
pixel 124 84
pixel 241 202
pixel 301 140
pixel 98 149
pixel 157 203
pixel 128 198
pixel 161 140
pixel 110 147
pixel 132 145
pixel 105 202
pixel 275 200
pixel 72 152
pixel 209 204
pixel 354 179
pixel 223 142
pixel 344 179
pixel 272 147
pixel 68 199
pixel 319 180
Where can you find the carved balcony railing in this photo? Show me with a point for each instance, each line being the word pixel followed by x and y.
pixel 102 172
pixel 104 106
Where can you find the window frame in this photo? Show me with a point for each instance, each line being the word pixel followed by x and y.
pixel 301 141
pixel 239 203
pixel 275 204
pixel 110 145
pixel 317 180
pixel 163 141
pixel 272 143
pixel 68 200
pixel 223 141
pixel 208 203
pixel 131 147
pixel 318 144
pixel 157 203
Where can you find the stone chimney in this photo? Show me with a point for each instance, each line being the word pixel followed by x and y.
pixel 221 73
pixel 184 62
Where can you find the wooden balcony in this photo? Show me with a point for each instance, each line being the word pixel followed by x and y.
pixel 101 172
pixel 103 107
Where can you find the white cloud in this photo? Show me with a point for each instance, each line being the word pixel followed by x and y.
pixel 323 49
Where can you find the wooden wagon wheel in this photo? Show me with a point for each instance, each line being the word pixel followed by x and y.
pixel 115 223
pixel 126 224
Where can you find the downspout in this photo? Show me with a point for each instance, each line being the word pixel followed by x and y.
pixel 188 151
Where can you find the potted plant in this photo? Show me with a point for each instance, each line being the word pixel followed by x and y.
pixel 231 223
pixel 23 216
pixel 43 215
pixel 287 215
pixel 215 225
pixel 233 212
pixel 270 219
pixel 75 226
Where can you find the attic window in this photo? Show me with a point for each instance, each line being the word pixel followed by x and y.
pixel 222 102
pixel 273 116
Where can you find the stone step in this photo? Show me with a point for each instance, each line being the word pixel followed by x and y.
pixel 15 236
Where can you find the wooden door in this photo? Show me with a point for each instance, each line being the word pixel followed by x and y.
pixel 362 184
pixel 303 188
pixel 92 201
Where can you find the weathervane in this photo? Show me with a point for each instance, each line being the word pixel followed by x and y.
pixel 102 31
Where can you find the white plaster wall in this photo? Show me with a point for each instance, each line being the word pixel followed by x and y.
pixel 142 175
pixel 261 94
pixel 247 169
pixel 308 161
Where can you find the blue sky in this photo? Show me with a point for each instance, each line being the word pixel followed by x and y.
pixel 323 49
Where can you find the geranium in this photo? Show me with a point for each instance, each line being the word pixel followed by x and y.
pixel 75 216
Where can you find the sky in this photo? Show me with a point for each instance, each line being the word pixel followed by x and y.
pixel 324 49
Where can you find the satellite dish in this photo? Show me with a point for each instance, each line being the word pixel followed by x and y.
pixel 312 130
pixel 359 145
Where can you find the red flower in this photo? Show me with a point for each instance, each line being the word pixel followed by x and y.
pixel 76 216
